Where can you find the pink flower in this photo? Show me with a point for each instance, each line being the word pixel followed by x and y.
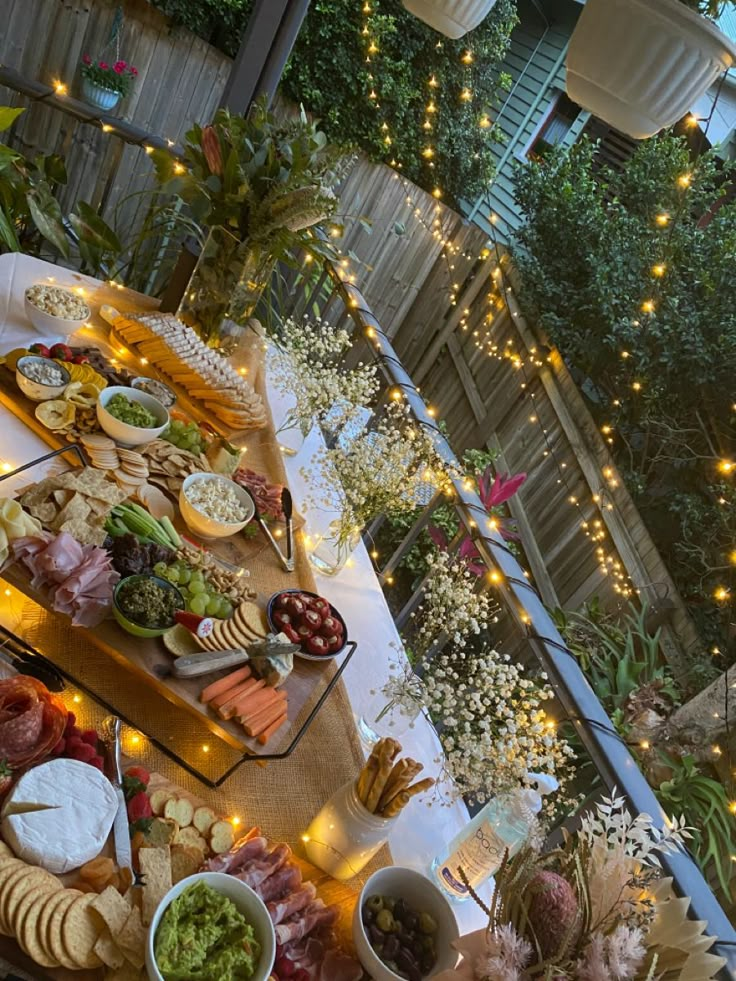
pixel 119 67
pixel 504 487
pixel 132 70
pixel 86 59
pixel 103 64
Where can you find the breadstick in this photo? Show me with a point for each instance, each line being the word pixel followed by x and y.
pixel 367 775
pixel 397 803
pixel 420 787
pixel 401 776
pixel 385 766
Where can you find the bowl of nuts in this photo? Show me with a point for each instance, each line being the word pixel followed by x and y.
pixel 40 378
pixel 55 310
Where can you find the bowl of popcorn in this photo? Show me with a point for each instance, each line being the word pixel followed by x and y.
pixel 41 378
pixel 214 506
pixel 55 310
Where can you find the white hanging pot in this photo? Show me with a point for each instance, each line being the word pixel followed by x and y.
pixel 640 65
pixel 453 18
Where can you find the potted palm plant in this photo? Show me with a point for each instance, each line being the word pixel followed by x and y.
pixel 453 18
pixel 260 189
pixel 641 65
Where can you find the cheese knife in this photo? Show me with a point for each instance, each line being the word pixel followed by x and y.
pixel 192 665
pixel 287 506
pixel 110 731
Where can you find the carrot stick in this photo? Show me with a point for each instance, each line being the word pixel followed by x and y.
pixel 249 715
pixel 253 727
pixel 227 709
pixel 267 733
pixel 248 701
pixel 231 693
pixel 222 684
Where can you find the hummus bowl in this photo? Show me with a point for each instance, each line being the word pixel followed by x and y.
pixel 247 902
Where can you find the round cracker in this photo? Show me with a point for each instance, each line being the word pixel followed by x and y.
pixel 79 932
pixel 56 899
pixel 54 945
pixel 242 624
pixel 22 904
pixel 27 879
pixel 99 441
pixel 27 931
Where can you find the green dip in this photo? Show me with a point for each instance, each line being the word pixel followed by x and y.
pixel 203 937
pixel 131 412
pixel 146 603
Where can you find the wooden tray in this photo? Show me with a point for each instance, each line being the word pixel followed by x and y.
pixel 329 890
pixel 148 658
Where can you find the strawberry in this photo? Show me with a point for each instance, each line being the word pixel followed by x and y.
pixel 6 778
pixel 139 773
pixel 40 349
pixel 139 807
pixel 283 967
pixel 80 359
pixel 62 351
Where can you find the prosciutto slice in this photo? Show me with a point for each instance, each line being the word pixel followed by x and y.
pixel 279 884
pixel 284 908
pixel 337 966
pixel 257 870
pixel 242 853
pixel 298 926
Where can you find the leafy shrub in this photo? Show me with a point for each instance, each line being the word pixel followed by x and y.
pixel 328 74
pixel 589 252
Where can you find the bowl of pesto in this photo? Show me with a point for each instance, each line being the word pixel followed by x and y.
pixel 129 416
pixel 212 927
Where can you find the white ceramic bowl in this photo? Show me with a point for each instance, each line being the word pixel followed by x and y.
pixel 122 432
pixel 50 325
pixel 249 904
pixel 37 391
pixel 206 527
pixel 424 897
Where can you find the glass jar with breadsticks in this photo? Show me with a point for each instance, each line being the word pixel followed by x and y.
pixel 355 823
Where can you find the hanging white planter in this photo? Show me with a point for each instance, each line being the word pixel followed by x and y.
pixel 453 18
pixel 640 65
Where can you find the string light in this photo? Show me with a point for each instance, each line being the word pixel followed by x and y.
pixel 60 88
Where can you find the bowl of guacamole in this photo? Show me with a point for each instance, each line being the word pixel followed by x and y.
pixel 210 927
pixel 129 416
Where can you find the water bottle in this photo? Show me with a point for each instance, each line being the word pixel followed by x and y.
pixel 504 823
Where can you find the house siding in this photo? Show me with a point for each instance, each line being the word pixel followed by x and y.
pixel 536 63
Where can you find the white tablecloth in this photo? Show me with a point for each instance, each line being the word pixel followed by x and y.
pixel 356 592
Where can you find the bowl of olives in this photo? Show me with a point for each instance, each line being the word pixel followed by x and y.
pixel 403 927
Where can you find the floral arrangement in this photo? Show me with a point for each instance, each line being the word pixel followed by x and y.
pixel 594 909
pixel 308 365
pixel 118 77
pixel 386 469
pixel 452 605
pixel 490 721
pixel 269 182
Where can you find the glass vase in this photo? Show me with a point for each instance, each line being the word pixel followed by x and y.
pixel 225 287
pixel 333 550
pixel 386 716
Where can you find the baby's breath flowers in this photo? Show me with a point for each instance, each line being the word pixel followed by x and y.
pixel 386 469
pixel 308 364
pixel 452 607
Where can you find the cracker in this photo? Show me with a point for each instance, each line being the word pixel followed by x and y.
pixel 53 931
pixel 21 904
pixel 156 871
pixel 108 951
pixel 112 909
pixel 132 938
pixel 79 933
pixel 185 861
pixel 44 918
pixel 16 885
pixel 29 933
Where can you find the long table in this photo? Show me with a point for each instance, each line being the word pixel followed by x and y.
pixel 356 592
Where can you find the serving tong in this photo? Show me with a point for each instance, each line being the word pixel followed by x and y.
pixel 286 561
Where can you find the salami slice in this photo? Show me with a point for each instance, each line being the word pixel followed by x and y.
pixel 21 733
pixel 52 729
pixel 17 695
